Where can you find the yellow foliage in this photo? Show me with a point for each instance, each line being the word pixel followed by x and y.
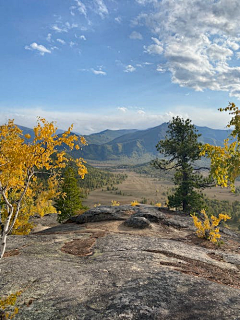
pixel 158 204
pixel 225 161
pixel 20 162
pixel 115 203
pixel 222 167
pixel 97 205
pixel 134 203
pixel 208 228
pixel 7 305
pixel 18 158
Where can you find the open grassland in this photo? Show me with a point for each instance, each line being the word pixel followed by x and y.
pixel 143 187
pixel 222 193
pixel 135 187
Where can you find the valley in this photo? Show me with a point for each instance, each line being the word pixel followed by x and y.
pixel 141 186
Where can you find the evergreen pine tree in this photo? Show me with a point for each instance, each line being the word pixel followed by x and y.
pixel 182 149
pixel 69 201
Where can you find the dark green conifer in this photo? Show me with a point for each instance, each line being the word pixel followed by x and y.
pixel 69 201
pixel 182 149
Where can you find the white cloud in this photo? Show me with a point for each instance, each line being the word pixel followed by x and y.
pixel 135 35
pixel 141 112
pixel 144 2
pixel 61 41
pixel 72 9
pixel 86 123
pixel 218 53
pixel 123 109
pixel 81 7
pixel 233 45
pixel 198 39
pixel 156 48
pixel 82 37
pixel 54 48
pixel 118 19
pixel 34 46
pixel 71 26
pixel 59 29
pixel 72 44
pixel 49 37
pixel 161 68
pixel 101 8
pixel 153 49
pixel 129 68
pixel 63 27
pixel 99 72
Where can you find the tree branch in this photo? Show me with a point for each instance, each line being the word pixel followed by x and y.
pixel 201 168
pixel 162 164
pixel 19 202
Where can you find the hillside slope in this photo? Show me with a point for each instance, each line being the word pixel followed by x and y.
pixel 106 136
pixel 143 142
pixel 116 144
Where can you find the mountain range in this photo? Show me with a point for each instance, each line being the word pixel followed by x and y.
pixel 133 143
pixel 115 144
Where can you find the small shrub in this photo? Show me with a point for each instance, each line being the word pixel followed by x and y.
pixel 158 204
pixel 144 201
pixel 134 203
pixel 115 203
pixel 97 205
pixel 208 229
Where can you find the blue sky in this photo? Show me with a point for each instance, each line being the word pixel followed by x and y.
pixel 118 64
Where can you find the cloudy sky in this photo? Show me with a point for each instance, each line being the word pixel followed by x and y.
pixel 118 63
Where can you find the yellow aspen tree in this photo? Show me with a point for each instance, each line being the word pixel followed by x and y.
pixel 38 200
pixel 225 161
pixel 21 161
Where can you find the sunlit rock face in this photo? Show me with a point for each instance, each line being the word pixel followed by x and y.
pixel 99 267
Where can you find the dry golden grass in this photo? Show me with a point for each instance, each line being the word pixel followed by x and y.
pixel 137 187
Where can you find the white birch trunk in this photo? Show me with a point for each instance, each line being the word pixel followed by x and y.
pixel 5 233
pixel 8 227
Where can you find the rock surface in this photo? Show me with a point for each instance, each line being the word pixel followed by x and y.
pixel 106 270
pixel 103 213
pixel 137 222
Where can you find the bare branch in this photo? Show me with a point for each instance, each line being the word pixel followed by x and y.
pixel 201 168
pixel 163 164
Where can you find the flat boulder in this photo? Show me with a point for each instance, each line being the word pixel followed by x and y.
pixel 104 213
pixel 137 222
pixel 151 214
